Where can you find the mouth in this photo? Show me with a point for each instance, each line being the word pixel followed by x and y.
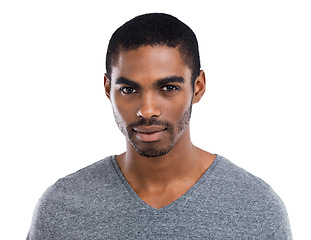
pixel 150 133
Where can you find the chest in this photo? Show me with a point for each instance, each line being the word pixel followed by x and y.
pixel 179 220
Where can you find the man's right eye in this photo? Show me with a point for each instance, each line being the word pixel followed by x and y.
pixel 127 90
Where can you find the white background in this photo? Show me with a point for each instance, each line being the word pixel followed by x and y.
pixel 55 118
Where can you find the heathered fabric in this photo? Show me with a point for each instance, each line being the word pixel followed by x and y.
pixel 98 203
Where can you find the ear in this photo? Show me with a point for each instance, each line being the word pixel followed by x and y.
pixel 199 87
pixel 107 86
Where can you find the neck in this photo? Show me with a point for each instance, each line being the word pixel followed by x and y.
pixel 183 162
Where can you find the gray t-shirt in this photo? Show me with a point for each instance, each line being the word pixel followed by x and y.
pixel 98 203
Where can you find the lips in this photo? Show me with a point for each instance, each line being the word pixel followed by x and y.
pixel 149 129
pixel 149 133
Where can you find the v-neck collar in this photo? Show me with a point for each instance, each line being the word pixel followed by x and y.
pixel 187 194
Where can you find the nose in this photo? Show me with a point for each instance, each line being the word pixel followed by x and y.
pixel 149 107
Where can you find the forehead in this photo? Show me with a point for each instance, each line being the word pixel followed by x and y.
pixel 150 63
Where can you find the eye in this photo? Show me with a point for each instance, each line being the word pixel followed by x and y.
pixel 127 90
pixel 170 88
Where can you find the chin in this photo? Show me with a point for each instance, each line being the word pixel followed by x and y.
pixel 153 152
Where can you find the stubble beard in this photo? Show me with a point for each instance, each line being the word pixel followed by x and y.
pixel 152 150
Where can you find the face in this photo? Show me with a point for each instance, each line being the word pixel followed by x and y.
pixel 151 94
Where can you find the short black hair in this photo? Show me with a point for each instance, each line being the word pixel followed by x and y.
pixel 155 29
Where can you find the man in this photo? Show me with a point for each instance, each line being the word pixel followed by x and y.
pixel 162 187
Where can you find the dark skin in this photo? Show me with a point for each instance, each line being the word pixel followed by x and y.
pixel 155 83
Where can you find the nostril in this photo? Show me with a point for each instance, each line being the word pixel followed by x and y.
pixel 148 111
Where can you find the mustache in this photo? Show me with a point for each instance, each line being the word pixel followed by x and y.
pixel 150 122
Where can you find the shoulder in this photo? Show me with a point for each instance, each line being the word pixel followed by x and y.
pixel 74 188
pixel 249 195
pixel 98 169
pixel 236 181
pixel 70 195
pixel 84 180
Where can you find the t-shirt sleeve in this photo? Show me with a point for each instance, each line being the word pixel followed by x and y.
pixel 284 231
pixel 278 219
pixel 45 217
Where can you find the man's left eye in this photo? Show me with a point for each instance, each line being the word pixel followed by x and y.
pixel 169 88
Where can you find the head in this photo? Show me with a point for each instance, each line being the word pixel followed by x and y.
pixel 153 78
pixel 155 29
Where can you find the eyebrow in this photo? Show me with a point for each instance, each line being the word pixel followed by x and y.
pixel 167 80
pixel 123 80
pixel 158 83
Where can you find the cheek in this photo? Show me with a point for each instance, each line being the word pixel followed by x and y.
pixel 174 110
pixel 122 109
